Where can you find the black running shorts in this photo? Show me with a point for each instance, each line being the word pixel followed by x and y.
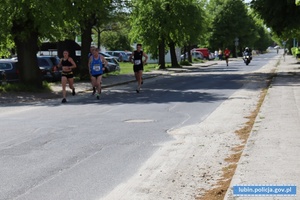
pixel 137 68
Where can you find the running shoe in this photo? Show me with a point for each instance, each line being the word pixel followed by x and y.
pixel 64 100
pixel 73 91
pixel 138 90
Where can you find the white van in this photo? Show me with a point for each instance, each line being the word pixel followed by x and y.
pixel 195 54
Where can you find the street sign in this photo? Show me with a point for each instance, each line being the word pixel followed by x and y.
pixel 236 43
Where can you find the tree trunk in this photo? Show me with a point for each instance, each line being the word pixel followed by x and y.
pixel 173 55
pixel 190 59
pixel 184 53
pixel 161 55
pixel 27 60
pixel 86 40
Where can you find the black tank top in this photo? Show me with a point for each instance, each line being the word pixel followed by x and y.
pixel 138 58
pixel 66 63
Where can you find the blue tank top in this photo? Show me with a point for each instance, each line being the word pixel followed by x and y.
pixel 96 66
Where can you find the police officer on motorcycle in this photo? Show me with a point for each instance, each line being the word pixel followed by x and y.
pixel 247 56
pixel 248 52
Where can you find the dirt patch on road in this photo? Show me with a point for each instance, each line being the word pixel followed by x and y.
pixel 220 189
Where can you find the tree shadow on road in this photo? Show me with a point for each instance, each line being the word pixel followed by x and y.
pixel 189 87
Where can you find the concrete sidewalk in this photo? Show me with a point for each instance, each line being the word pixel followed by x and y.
pixel 272 152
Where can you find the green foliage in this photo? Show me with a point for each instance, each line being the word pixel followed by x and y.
pixel 280 15
pixel 185 63
pixel 116 39
pixel 196 60
pixel 164 21
pixel 212 8
pixel 295 52
pixel 262 38
pixel 19 87
pixel 126 68
pixel 50 20
pixel 21 18
pixel 231 21
pixel 114 31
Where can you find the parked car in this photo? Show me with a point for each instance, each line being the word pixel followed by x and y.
pixel 211 56
pixel 112 65
pixel 121 55
pixel 195 54
pixel 106 54
pixel 109 54
pixel 49 67
pixel 112 58
pixel 205 52
pixel 129 53
pixel 9 71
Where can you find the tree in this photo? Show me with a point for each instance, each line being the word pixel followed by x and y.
pixel 87 14
pixel 162 23
pixel 23 23
pixel 116 40
pixel 280 15
pixel 187 21
pixel 282 18
pixel 116 37
pixel 211 11
pixel 94 13
pixel 232 21
pixel 147 27
pixel 193 26
pixel 262 37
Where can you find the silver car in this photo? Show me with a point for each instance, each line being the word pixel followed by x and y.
pixel 112 65
pixel 121 55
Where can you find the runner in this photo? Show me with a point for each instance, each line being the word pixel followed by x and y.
pixel 220 54
pixel 138 64
pixel 67 64
pixel 227 54
pixel 90 54
pixel 96 70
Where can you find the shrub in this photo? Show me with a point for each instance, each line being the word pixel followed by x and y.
pixel 185 63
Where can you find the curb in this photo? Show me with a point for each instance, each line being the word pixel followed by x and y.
pixel 112 85
pixel 174 70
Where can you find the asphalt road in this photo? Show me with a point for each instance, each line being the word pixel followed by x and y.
pixel 84 149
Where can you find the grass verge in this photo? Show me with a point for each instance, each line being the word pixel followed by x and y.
pixel 19 87
pixel 127 68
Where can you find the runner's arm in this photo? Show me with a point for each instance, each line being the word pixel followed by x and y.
pixel 130 57
pixel 104 61
pixel 89 64
pixel 146 57
pixel 73 63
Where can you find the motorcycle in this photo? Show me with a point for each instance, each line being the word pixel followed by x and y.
pixel 246 58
